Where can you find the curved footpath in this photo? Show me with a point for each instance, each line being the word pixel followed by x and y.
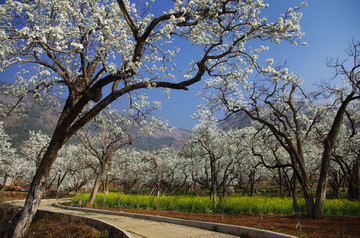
pixel 147 227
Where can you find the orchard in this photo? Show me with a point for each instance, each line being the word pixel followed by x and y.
pixel 103 57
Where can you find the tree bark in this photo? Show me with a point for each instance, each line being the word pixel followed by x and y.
pixel 252 181
pixel 329 143
pixel 294 194
pixel 7 180
pixel 214 198
pixel 281 183
pixel 39 182
pixel 37 190
pixel 107 184
pixel 354 182
pixel 96 187
pixel 322 184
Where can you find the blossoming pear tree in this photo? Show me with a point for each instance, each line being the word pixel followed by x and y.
pixel 278 102
pixel 100 51
pixel 163 171
pixel 79 164
pixel 218 158
pixel 127 169
pixel 7 155
pixel 274 156
pixel 65 169
pixel 346 155
pixel 111 130
pixel 70 171
pixel 33 149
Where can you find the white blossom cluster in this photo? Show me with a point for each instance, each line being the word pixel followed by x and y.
pixel 166 170
pixel 69 32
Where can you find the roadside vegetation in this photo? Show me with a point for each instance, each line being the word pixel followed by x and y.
pixel 103 58
pixel 234 205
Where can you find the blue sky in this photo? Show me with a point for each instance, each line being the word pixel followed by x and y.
pixel 328 25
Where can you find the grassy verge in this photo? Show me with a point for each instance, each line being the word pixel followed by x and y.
pixel 233 205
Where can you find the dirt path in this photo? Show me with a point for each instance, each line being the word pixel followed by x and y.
pixel 138 227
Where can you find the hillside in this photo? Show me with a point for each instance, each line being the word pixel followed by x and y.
pixel 162 139
pixel 41 118
pixel 235 121
pixel 38 118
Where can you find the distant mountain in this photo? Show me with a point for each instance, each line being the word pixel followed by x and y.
pixel 41 118
pixel 38 118
pixel 235 121
pixel 162 139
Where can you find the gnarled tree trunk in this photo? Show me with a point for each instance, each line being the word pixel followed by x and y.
pixel 329 143
pixel 37 189
pixel 96 187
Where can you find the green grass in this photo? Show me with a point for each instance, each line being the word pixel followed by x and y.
pixel 104 234
pixel 197 204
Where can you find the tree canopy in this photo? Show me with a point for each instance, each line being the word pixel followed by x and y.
pixel 99 51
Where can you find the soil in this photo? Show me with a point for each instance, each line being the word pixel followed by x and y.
pixel 43 226
pixel 329 226
pixel 59 226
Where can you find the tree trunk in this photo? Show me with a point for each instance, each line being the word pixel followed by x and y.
pixel 353 191
pixel 37 190
pixel 309 199
pixel 106 185
pixel 126 188
pixel 60 181
pixel 213 185
pixel 7 180
pixel 252 181
pixel 353 181
pixel 39 182
pixel 281 183
pixel 335 183
pixel 96 187
pixel 326 156
pixel 258 186
pixel 294 194
pixel 323 181
pixel 158 192
pixel 213 196
pixel 308 195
